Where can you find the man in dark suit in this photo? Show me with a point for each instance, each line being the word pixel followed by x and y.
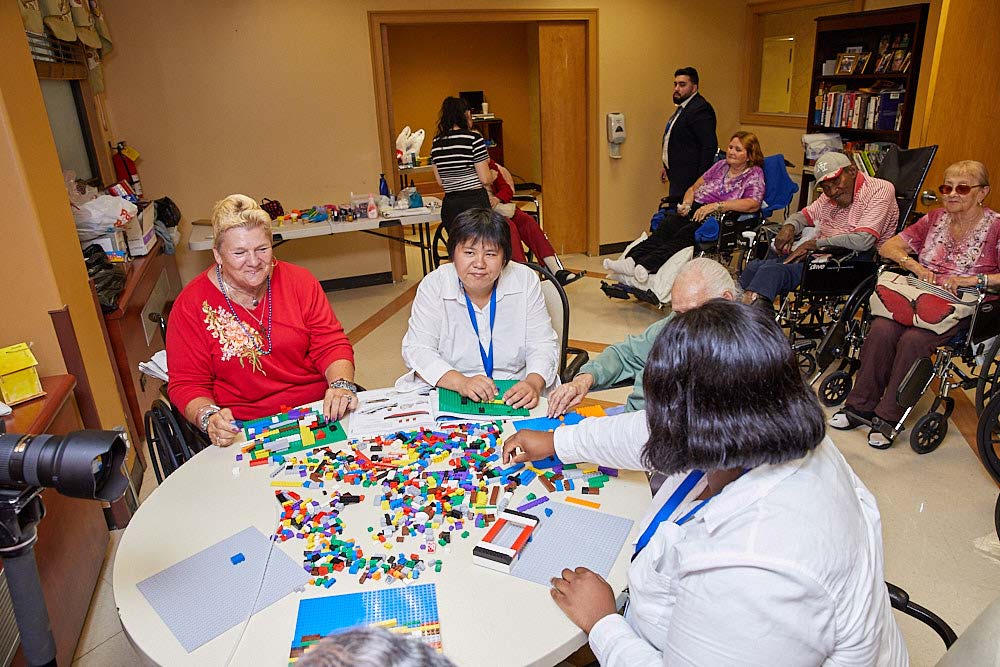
pixel 689 141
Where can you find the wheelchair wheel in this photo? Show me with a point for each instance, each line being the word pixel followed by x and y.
pixel 989 374
pixel 996 517
pixel 928 433
pixel 834 388
pixel 807 363
pixel 988 439
pixel 439 249
pixel 168 448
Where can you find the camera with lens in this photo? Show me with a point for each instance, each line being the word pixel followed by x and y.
pixel 81 464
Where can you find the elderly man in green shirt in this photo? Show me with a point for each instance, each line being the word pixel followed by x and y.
pixel 700 280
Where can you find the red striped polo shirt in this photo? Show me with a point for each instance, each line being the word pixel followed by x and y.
pixel 873 210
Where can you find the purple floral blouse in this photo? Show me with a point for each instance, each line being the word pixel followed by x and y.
pixel 719 187
pixel 939 251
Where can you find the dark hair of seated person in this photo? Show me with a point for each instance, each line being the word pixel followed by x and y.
pixel 480 225
pixel 723 390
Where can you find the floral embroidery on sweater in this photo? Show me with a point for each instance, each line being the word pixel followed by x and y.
pixel 236 340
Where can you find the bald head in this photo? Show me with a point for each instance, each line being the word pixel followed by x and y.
pixel 698 281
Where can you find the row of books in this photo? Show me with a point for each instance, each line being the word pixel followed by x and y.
pixel 865 111
pixel 867 155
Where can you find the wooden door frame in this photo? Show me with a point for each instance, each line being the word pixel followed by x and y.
pixel 378 24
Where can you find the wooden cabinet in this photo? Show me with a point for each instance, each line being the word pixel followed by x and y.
pixel 891 42
pixel 152 281
pixel 73 536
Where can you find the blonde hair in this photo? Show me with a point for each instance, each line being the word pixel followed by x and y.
pixel 977 170
pixel 238 211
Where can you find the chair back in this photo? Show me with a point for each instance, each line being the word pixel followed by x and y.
pixel 979 644
pixel 906 169
pixel 557 304
pixel 779 188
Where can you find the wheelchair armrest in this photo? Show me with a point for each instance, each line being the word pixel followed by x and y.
pixel 580 357
pixel 900 600
pixel 897 596
pixel 528 186
pixel 531 199
pixel 670 200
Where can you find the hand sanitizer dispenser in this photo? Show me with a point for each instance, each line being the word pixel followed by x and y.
pixel 616 134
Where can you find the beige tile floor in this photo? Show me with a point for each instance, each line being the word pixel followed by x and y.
pixel 937 510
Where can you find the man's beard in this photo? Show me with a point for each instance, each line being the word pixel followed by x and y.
pixel 678 99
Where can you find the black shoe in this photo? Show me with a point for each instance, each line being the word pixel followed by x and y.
pixel 881 434
pixel 765 304
pixel 847 419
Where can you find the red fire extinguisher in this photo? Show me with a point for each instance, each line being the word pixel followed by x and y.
pixel 125 169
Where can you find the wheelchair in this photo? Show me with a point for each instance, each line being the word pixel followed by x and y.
pixel 732 241
pixel 170 438
pixel 836 283
pixel 953 364
pixel 439 242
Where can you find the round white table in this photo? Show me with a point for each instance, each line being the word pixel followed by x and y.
pixel 487 617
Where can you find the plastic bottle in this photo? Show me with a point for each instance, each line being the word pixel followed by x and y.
pixel 383 187
pixel 372 208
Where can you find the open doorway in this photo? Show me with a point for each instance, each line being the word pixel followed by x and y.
pixel 538 70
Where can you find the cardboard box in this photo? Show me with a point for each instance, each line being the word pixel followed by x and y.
pixel 140 233
pixel 19 380
pixel 141 224
pixel 114 242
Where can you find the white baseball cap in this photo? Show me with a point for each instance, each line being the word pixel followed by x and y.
pixel 829 165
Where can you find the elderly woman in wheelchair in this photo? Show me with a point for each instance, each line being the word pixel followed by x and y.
pixel 733 184
pixel 957 260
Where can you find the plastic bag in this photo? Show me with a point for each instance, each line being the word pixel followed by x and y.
pixel 102 215
pixel 79 192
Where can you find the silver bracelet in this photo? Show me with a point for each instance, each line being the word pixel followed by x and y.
pixel 204 414
pixel 344 384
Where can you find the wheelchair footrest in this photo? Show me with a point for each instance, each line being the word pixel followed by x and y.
pixel 614 291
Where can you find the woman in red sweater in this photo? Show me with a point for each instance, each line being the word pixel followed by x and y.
pixel 252 336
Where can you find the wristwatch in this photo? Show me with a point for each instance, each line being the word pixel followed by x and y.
pixel 205 414
pixel 344 384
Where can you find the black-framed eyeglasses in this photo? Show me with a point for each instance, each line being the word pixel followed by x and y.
pixel 962 189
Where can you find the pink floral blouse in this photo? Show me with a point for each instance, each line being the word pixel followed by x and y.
pixel 937 250
pixel 719 187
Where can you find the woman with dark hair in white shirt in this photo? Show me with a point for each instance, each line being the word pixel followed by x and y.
pixel 481 318
pixel 762 547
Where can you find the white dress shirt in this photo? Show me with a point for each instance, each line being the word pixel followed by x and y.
pixel 783 567
pixel 666 137
pixel 440 337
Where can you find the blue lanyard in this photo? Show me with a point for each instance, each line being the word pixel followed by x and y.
pixel 486 357
pixel 669 507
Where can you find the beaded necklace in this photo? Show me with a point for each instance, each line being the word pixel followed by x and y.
pixel 232 309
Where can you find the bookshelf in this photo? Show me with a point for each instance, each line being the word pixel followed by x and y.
pixel 492 131
pixel 868 97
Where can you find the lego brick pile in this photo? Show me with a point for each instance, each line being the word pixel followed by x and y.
pixel 431 486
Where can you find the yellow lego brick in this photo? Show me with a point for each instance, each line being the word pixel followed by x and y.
pixel 308 437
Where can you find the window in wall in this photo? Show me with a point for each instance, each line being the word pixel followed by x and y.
pixel 69 129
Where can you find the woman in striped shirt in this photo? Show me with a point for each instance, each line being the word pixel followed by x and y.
pixel 461 163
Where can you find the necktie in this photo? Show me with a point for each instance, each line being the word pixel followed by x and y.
pixel 666 134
